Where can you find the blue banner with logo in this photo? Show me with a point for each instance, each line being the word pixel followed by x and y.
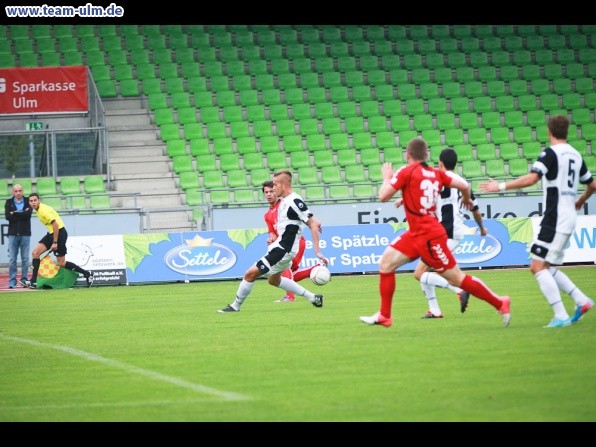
pixel 207 255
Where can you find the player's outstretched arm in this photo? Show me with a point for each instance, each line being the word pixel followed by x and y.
pixel 315 229
pixel 531 178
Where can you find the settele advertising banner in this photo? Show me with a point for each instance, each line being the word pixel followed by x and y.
pixel 213 255
pixel 350 248
pixel 43 90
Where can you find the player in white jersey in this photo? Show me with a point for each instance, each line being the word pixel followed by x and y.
pixel 449 212
pixel 561 169
pixel 292 218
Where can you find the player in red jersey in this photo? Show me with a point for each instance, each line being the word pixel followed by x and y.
pixel 420 185
pixel 271 221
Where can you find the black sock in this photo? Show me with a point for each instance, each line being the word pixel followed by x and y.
pixel 35 264
pixel 72 266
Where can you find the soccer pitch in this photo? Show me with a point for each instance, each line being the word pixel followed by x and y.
pixel 163 353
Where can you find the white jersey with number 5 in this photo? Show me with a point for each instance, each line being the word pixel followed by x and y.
pixel 561 168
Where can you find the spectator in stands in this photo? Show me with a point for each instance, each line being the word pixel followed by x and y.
pixel 420 185
pixel 271 220
pixel 17 212
pixel 562 169
pixel 54 240
pixel 449 212
pixel 292 218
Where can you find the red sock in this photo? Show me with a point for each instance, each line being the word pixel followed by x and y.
pixel 476 287
pixel 288 274
pixel 299 275
pixel 386 288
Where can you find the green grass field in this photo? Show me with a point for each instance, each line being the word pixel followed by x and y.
pixel 163 353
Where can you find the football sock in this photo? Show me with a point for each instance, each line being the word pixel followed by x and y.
pixel 292 286
pixel 244 289
pixel 290 275
pixel 550 290
pixel 567 286
pixel 35 263
pixel 434 279
pixel 72 266
pixel 386 289
pixel 429 293
pixel 476 287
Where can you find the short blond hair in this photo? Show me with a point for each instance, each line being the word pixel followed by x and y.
pixel 286 172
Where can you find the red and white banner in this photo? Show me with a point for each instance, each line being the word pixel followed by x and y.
pixel 40 90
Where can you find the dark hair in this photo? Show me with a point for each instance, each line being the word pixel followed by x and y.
pixel 267 184
pixel 559 126
pixel 418 149
pixel 34 194
pixel 449 158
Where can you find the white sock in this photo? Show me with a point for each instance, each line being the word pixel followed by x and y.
pixel 566 285
pixel 550 290
pixel 244 289
pixel 431 298
pixel 434 279
pixel 292 286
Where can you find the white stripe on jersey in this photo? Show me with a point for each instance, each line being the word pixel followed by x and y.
pixel 449 209
pixel 559 167
pixel 293 212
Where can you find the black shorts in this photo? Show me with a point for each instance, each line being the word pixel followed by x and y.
pixel 48 240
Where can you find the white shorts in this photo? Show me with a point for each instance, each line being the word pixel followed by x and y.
pixel 276 260
pixel 551 252
pixel 452 243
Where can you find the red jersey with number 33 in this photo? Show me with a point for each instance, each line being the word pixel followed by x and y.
pixel 421 186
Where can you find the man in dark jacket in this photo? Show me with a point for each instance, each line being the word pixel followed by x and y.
pixel 18 214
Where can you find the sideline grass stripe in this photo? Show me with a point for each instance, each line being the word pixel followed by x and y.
pixel 132 369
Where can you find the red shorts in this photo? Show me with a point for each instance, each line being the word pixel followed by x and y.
pixel 434 252
pixel 299 255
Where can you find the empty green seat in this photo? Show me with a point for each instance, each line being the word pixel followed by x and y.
pixel 500 135
pixel 45 186
pixel 182 163
pixel 513 118
pixel 339 192
pixel 464 152
pixel 471 169
pixel 477 136
pixel 315 142
pixel 189 180
pixel 220 196
pixel 522 134
pixel 486 151
pixel 308 176
pixel 495 168
pixel 68 185
pixel 518 167
pixel 206 162
pixel 454 137
pixel 99 202
pixel 323 158
pixel 213 179
pixel 314 192
pixel 531 150
pixel 346 157
pixel 331 174
pixel 298 159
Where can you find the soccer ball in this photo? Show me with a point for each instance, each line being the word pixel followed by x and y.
pixel 320 275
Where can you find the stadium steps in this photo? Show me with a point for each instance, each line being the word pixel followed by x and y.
pixel 138 163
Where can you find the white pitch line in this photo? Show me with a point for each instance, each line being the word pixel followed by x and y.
pixel 132 369
pixel 143 403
